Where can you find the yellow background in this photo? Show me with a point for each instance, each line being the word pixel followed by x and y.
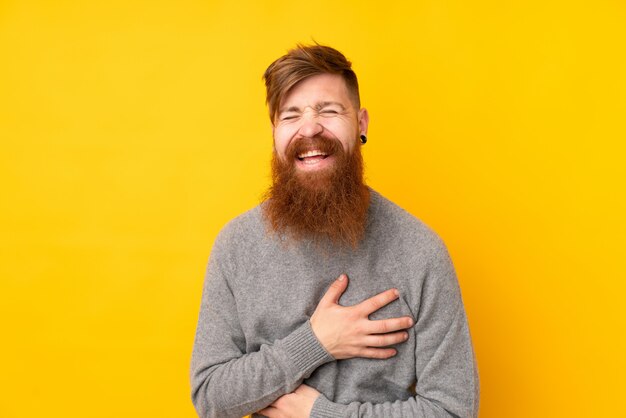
pixel 131 131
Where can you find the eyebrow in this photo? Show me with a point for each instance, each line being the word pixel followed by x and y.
pixel 319 105
pixel 324 104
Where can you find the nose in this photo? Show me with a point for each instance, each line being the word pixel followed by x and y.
pixel 310 124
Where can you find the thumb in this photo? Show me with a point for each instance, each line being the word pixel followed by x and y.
pixel 335 291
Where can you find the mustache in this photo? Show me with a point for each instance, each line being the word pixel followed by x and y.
pixel 328 207
pixel 324 144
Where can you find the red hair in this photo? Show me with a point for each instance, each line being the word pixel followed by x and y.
pixel 303 62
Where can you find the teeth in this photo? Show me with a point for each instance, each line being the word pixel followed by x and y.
pixel 313 153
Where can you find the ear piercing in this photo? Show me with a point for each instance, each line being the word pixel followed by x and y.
pixel 363 139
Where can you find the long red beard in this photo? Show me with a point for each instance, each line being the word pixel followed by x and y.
pixel 329 205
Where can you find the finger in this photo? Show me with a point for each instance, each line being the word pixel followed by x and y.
pixel 371 305
pixel 335 291
pixel 282 401
pixel 377 353
pixel 383 326
pixel 384 340
pixel 270 412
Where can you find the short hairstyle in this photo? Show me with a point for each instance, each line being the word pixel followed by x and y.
pixel 302 62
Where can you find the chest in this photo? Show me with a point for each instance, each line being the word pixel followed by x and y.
pixel 279 292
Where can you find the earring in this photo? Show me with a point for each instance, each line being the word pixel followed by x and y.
pixel 363 139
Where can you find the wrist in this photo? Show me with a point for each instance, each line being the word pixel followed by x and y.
pixel 323 408
pixel 305 350
pixel 321 337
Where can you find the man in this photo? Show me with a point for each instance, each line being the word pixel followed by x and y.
pixel 328 300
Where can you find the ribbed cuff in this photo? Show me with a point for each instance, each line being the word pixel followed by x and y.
pixel 323 408
pixel 303 347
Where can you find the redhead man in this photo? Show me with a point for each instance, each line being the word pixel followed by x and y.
pixel 328 300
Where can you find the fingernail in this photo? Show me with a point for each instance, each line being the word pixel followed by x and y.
pixel 342 278
pixel 395 292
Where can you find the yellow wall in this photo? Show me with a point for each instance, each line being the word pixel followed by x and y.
pixel 131 131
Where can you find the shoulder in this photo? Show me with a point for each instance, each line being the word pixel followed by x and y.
pixel 240 232
pixel 403 232
pixel 405 240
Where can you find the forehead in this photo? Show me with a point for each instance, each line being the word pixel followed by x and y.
pixel 316 89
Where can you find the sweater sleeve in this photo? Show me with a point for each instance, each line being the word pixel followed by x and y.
pixel 226 381
pixel 446 373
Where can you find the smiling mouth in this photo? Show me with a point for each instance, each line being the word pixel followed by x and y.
pixel 312 157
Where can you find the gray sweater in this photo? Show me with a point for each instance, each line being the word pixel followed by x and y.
pixel 254 341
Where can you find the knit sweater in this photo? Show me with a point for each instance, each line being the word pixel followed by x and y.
pixel 254 341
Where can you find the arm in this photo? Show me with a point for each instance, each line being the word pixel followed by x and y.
pixel 447 387
pixel 227 381
pixel 447 380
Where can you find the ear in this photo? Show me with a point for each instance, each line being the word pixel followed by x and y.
pixel 364 121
